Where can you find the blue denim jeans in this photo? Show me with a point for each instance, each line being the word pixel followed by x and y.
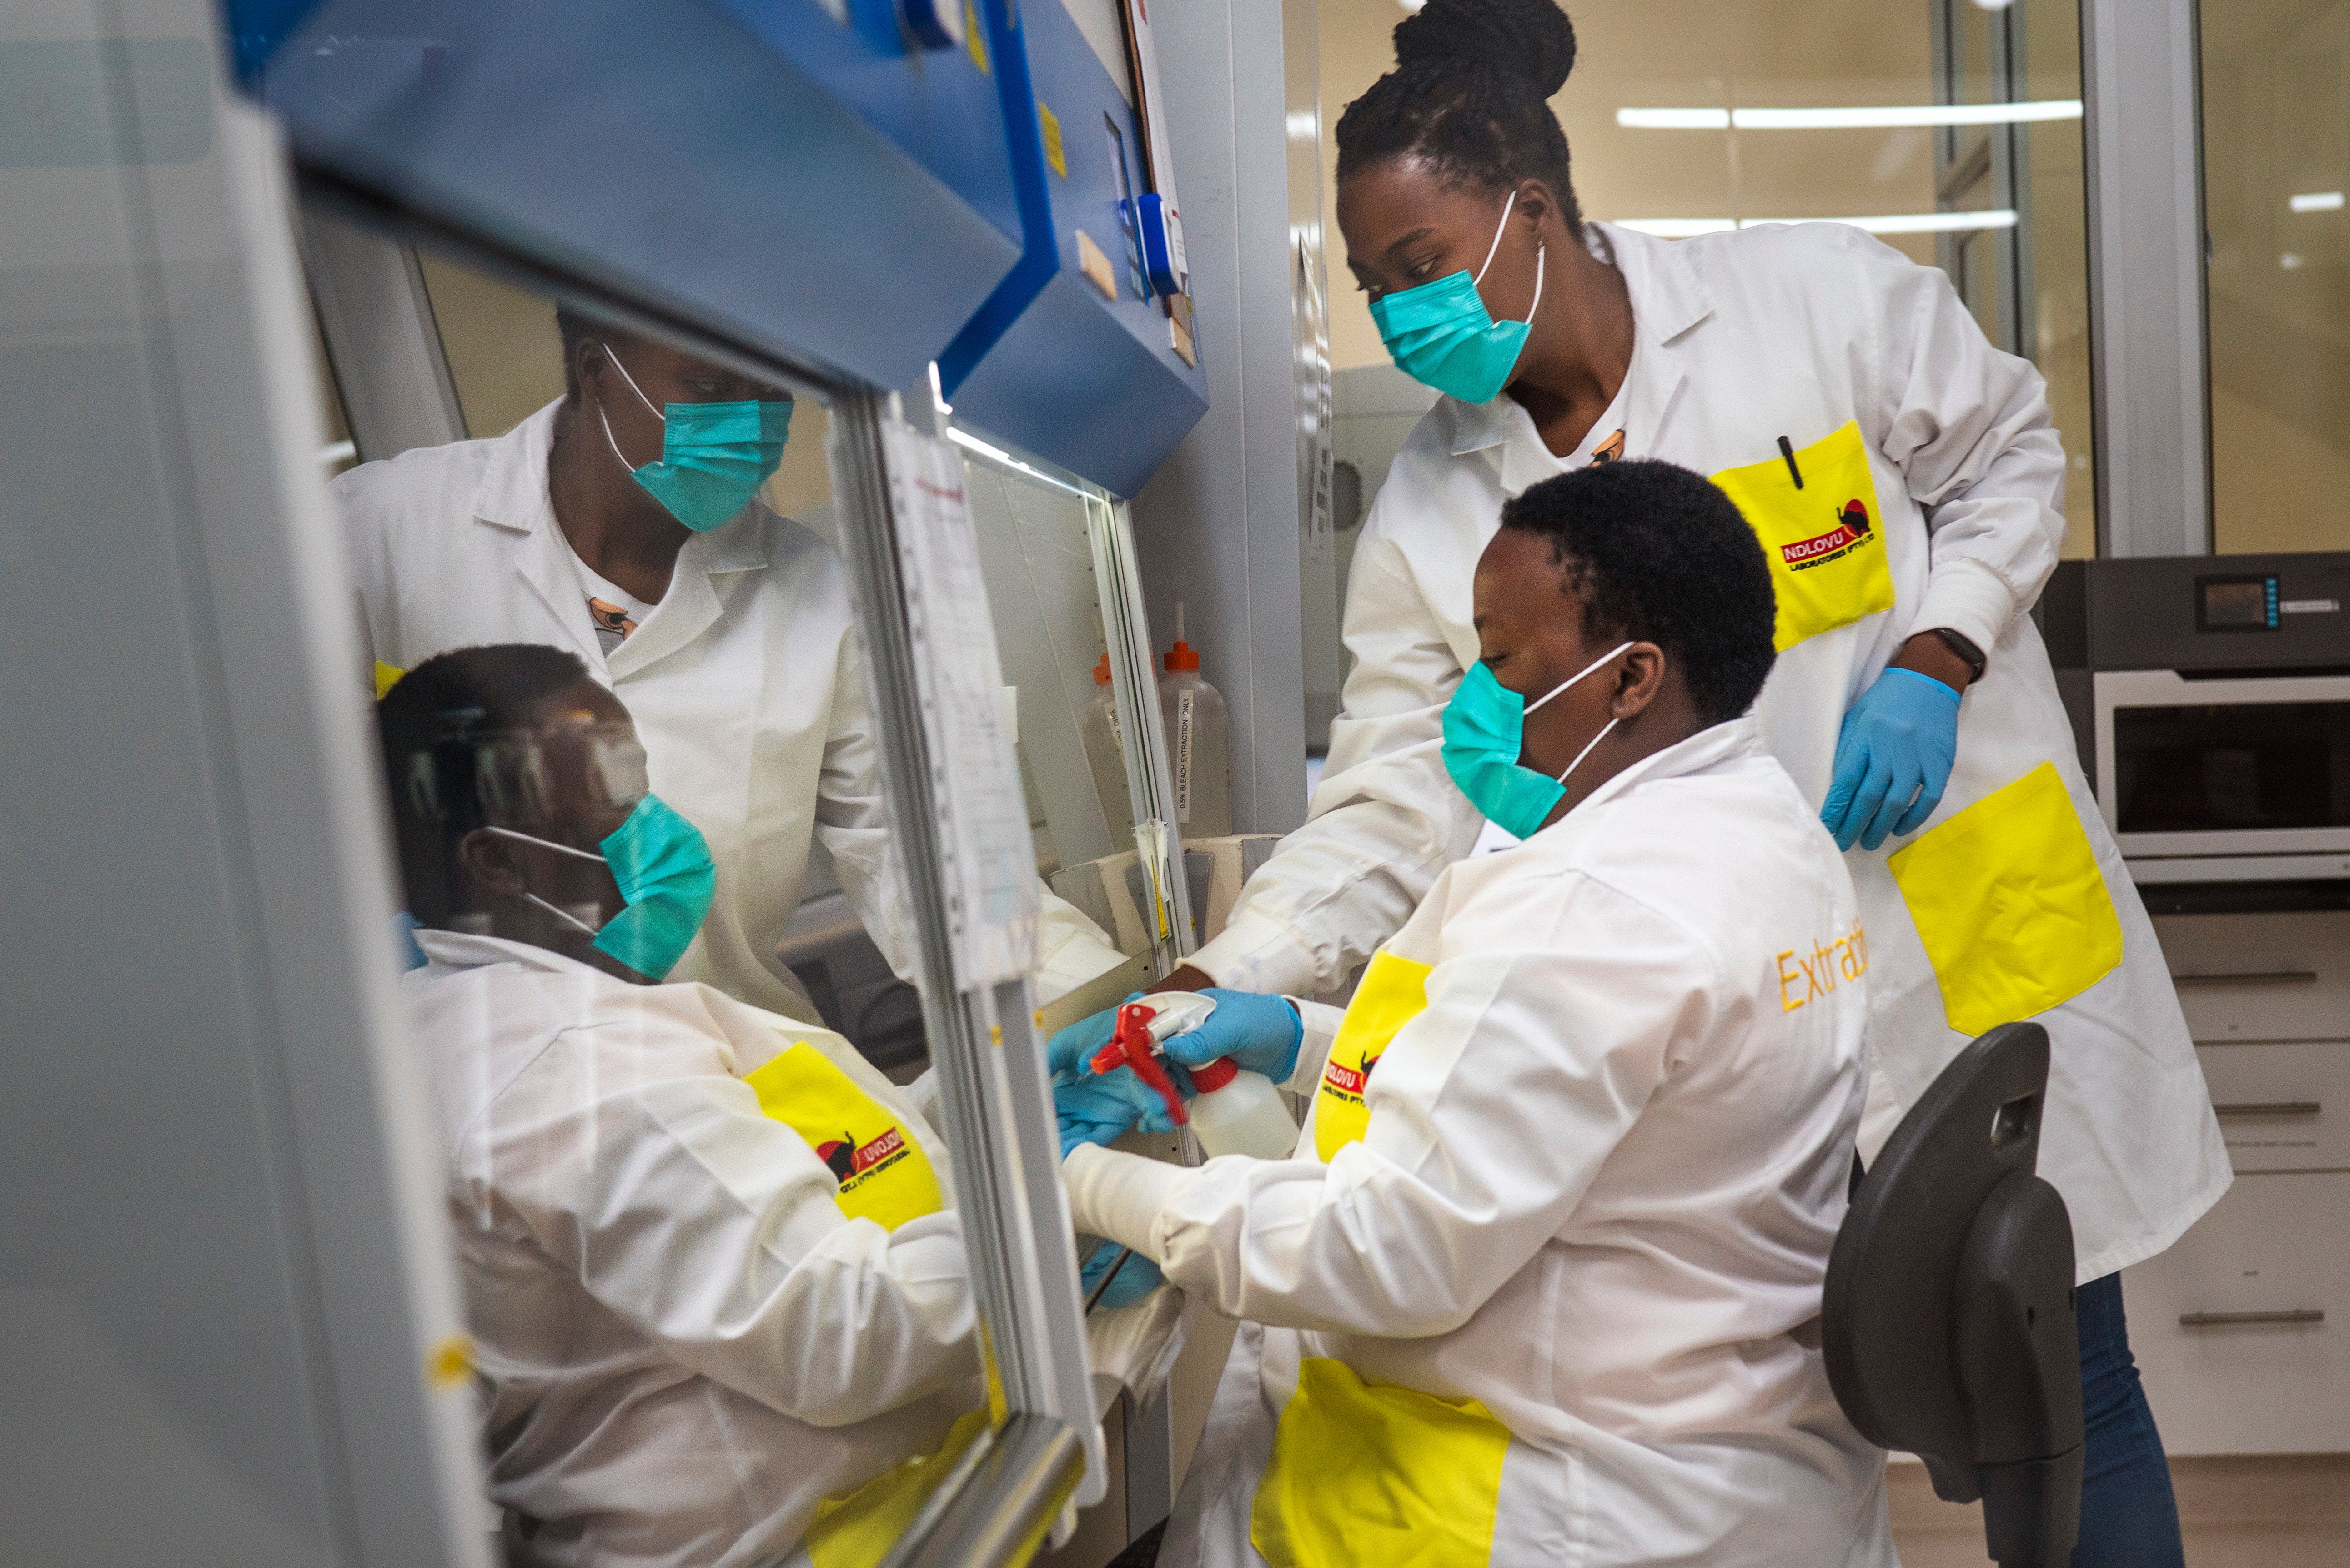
pixel 2129 1517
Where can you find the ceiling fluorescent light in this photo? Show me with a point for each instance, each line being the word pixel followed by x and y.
pixel 1931 222
pixel 1896 115
pixel 2317 202
pixel 1673 119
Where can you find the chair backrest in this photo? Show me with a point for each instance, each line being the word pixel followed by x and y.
pixel 1947 1324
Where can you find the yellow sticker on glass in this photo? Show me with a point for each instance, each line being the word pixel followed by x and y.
pixel 1820 537
pixel 1394 991
pixel 884 1175
pixel 2010 903
pixel 387 676
pixel 1366 1473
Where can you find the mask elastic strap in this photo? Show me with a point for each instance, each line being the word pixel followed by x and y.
pixel 610 442
pixel 1561 686
pixel 567 918
pixel 1587 750
pixel 1498 229
pixel 631 381
pixel 545 844
pixel 1539 252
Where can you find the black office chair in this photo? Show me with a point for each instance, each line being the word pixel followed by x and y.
pixel 1948 1324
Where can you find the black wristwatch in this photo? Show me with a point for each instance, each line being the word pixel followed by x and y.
pixel 1966 650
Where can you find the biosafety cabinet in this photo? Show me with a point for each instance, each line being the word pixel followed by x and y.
pixel 249 248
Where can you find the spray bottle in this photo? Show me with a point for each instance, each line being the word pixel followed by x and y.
pixel 1199 742
pixel 1105 756
pixel 1236 1112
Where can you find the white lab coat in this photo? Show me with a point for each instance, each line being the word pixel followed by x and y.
pixel 744 683
pixel 682 1341
pixel 1592 1185
pixel 1741 338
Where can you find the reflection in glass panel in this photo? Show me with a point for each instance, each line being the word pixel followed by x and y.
pixel 1941 196
pixel 2276 162
pixel 627 745
pixel 1035 529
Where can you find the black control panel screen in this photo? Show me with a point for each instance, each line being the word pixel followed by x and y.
pixel 2236 604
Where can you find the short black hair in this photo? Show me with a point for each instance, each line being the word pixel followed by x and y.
pixel 1657 554
pixel 438 728
pixel 1470 97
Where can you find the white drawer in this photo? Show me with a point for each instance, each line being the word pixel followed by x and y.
pixel 2261 1363
pixel 2282 1107
pixel 2262 977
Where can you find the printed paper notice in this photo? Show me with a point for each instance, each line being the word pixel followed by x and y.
pixel 992 903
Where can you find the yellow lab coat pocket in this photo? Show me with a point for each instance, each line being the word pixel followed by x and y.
pixel 1821 537
pixel 1369 1474
pixel 1394 991
pixel 883 1173
pixel 858 1531
pixel 2010 903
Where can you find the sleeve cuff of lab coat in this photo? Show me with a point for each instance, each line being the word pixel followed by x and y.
pixel 1255 951
pixel 1321 1024
pixel 1119 1195
pixel 1970 599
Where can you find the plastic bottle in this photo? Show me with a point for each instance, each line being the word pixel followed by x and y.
pixel 1240 1112
pixel 1198 743
pixel 1105 756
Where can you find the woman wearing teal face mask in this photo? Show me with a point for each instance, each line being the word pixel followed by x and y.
pixel 698 1313
pixel 625 523
pixel 1907 487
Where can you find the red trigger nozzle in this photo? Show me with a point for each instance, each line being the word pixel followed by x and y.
pixel 1130 1047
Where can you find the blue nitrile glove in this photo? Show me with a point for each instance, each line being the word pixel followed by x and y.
pixel 1095 1107
pixel 1071 1050
pixel 1137 1279
pixel 1897 741
pixel 1257 1031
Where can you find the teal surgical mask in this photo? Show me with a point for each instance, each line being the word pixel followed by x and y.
pixel 1440 335
pixel 714 456
pixel 665 873
pixel 1484 734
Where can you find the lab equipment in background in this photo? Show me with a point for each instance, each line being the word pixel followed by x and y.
pixel 2210 699
pixel 1105 755
pixel 444 110
pixel 1077 323
pixel 1198 743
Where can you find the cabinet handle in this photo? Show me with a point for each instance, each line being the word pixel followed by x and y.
pixel 2264 977
pixel 2270 1108
pixel 2232 1319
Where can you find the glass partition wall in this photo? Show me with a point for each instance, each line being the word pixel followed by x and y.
pixel 608 699
pixel 2276 163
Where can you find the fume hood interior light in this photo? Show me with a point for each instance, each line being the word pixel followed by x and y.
pixel 1889 223
pixel 2316 201
pixel 1872 116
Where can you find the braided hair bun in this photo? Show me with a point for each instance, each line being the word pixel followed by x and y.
pixel 1529 39
pixel 1469 97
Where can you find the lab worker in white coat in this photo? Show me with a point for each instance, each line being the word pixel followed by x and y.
pixel 1542 1283
pixel 622 521
pixel 1907 488
pixel 715 1284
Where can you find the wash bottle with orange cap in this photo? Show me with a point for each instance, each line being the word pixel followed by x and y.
pixel 1198 743
pixel 1105 757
